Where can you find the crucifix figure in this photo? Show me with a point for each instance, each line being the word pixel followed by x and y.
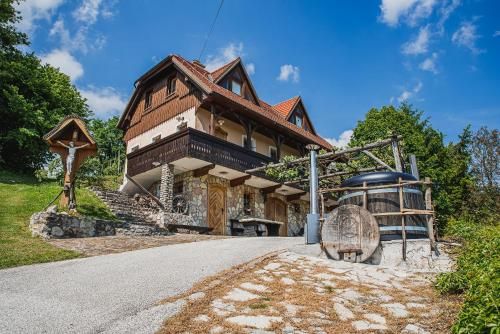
pixel 70 159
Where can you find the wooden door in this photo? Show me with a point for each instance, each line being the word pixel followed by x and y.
pixel 276 210
pixel 217 208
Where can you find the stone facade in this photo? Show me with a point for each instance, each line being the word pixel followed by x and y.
pixel 62 225
pixel 166 187
pixel 195 190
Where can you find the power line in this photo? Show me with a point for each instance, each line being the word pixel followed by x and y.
pixel 211 29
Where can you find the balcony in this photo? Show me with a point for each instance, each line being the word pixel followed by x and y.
pixel 193 144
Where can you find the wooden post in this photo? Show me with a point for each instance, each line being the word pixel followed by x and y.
pixel 212 120
pixel 401 209
pixel 430 218
pixel 365 196
pixel 397 155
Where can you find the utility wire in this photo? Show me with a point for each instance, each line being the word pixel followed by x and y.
pixel 211 29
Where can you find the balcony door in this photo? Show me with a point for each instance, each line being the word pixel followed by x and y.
pixel 217 208
pixel 276 210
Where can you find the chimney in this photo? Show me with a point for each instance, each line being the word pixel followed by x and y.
pixel 198 63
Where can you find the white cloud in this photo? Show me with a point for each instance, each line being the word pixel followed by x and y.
pixel 88 11
pixel 446 10
pixel 467 36
pixel 289 72
pixel 66 63
pixel 224 56
pixel 420 44
pixel 407 94
pixel 429 64
pixel 423 9
pixel 250 69
pixel 496 33
pixel 34 10
pixel 392 10
pixel 342 141
pixel 104 102
pixel 409 11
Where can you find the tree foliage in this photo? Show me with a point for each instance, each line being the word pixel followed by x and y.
pixel 33 99
pixel 447 165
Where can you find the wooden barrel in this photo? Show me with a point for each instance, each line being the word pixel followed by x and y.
pixel 387 200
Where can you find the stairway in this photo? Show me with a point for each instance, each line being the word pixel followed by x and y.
pixel 138 215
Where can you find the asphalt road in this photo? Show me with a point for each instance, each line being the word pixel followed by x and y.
pixel 117 292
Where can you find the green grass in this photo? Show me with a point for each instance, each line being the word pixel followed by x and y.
pixel 477 277
pixel 20 197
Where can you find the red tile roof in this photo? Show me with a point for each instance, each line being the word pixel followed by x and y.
pixel 216 74
pixel 275 116
pixel 285 107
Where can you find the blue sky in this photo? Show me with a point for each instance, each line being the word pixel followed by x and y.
pixel 342 57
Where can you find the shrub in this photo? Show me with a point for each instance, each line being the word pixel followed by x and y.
pixel 477 276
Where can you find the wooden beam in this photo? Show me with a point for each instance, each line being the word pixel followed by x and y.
pixel 140 186
pixel 239 180
pixel 397 155
pixel 270 189
pixel 203 170
pixel 295 197
pixel 378 160
pixel 321 177
pixel 329 155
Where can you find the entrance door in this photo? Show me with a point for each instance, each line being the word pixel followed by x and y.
pixel 217 208
pixel 276 210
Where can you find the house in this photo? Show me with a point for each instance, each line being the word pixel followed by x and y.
pixel 192 133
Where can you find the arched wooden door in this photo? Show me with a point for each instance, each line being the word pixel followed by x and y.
pixel 217 208
pixel 276 210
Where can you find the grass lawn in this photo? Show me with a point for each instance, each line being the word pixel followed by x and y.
pixel 20 197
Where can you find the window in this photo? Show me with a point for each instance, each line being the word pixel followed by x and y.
pixel 171 82
pixel 178 188
pixel 134 148
pixel 148 99
pixel 298 120
pixel 247 203
pixel 236 87
pixel 273 152
pixel 156 138
pixel 253 143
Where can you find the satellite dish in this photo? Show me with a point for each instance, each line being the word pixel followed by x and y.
pixel 350 233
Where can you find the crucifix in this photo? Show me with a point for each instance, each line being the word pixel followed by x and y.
pixel 74 143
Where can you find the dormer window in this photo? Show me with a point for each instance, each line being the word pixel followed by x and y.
pixel 298 120
pixel 171 83
pixel 235 87
pixel 148 99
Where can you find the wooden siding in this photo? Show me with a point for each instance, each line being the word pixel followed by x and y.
pixel 163 106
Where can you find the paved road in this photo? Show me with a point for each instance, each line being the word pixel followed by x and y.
pixel 111 293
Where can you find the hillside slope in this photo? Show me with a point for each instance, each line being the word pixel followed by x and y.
pixel 20 197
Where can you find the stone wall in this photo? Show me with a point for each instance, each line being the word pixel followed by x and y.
pixel 195 190
pixel 61 225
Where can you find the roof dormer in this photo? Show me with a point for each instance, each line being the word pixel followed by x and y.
pixel 234 78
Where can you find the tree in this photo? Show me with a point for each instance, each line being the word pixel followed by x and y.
pixel 33 99
pixel 446 165
pixel 9 37
pixel 485 157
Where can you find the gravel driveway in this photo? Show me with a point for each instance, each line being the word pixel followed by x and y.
pixel 114 293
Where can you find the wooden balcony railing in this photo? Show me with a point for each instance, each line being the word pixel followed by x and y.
pixel 195 144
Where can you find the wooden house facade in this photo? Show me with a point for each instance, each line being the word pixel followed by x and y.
pixel 207 128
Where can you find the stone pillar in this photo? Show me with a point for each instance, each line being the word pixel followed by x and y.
pixel 167 186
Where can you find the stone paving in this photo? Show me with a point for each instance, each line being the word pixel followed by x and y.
pixel 292 293
pixel 125 243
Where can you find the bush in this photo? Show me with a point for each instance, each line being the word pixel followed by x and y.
pixel 477 276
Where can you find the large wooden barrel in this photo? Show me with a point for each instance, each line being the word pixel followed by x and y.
pixel 387 200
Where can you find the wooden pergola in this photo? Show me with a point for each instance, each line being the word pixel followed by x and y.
pixel 333 167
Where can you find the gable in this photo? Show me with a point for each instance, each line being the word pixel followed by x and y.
pixel 236 80
pixel 299 117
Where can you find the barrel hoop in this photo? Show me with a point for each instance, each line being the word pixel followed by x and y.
pixel 380 191
pixel 407 228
